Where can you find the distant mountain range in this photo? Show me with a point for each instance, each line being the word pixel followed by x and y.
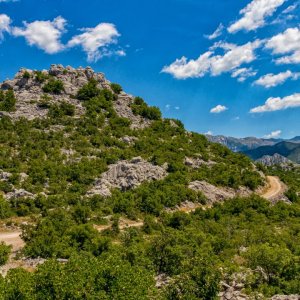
pixel 257 148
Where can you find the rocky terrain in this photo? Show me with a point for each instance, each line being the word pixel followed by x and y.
pixel 28 89
pixel 92 178
pixel 126 175
pixel 276 159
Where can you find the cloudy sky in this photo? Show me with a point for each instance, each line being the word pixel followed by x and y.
pixel 223 67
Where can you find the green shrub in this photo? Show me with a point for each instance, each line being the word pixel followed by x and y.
pixel 139 107
pixel 7 100
pixel 63 109
pixel 116 88
pixel 4 253
pixel 53 86
pixel 26 75
pixel 40 76
pixel 89 90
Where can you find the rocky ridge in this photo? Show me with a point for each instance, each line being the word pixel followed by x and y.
pixel 29 93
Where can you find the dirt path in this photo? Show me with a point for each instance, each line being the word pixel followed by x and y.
pixel 12 238
pixel 275 188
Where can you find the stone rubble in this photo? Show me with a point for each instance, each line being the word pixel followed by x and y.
pixel 126 175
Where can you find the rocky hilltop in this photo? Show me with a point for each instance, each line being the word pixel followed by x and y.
pixel 31 97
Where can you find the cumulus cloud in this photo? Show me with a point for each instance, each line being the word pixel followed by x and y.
pixel 272 80
pixel 232 59
pixel 4 24
pixel 218 32
pixel 95 41
pixel 218 109
pixel 43 34
pixel 209 132
pixel 275 104
pixel 254 15
pixel 273 135
pixel 243 73
pixel 182 68
pixel 288 43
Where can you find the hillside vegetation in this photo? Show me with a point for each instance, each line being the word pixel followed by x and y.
pixel 68 148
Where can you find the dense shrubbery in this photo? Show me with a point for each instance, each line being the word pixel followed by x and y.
pixel 53 86
pixel 88 91
pixel 139 107
pixel 4 253
pixel 7 100
pixel 62 109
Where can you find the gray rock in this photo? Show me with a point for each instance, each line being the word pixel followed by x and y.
pixel 18 193
pixel 216 194
pixel 126 175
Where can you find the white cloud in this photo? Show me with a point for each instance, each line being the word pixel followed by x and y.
pixel 218 32
pixel 95 41
pixel 275 104
pixel 273 135
pixel 4 24
pixel 234 57
pixel 272 80
pixel 209 133
pixel 182 68
pixel 243 73
pixel 254 15
pixel 290 9
pixel 177 107
pixel 287 42
pixel 43 34
pixel 6 1
pixel 218 109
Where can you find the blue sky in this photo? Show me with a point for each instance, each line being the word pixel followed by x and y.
pixel 239 76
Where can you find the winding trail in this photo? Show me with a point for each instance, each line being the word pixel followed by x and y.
pixel 274 189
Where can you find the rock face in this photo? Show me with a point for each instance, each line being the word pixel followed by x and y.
pixel 276 159
pixel 29 93
pixel 216 194
pixel 123 109
pixel 126 175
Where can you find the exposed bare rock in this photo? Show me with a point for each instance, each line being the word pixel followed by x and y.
pixel 196 163
pixel 216 194
pixel 126 175
pixel 18 193
pixel 30 96
pixel 123 109
pixel 128 139
pixel 275 159
pixel 4 176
